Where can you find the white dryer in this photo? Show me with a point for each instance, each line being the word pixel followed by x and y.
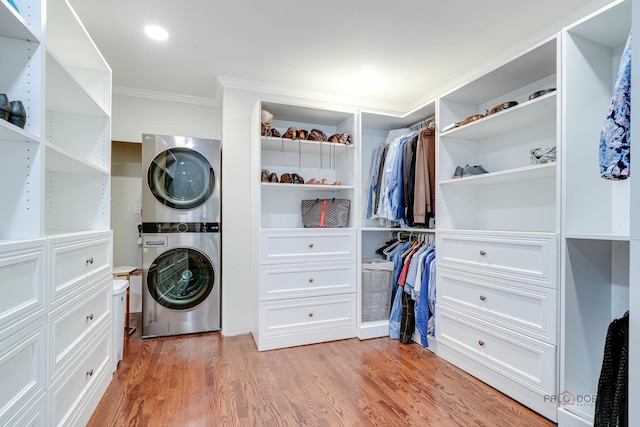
pixel 181 179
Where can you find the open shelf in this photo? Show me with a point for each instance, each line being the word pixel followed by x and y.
pixel 526 173
pixel 302 145
pixel 521 116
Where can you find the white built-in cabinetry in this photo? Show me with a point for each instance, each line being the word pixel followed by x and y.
pixel 497 233
pixel 596 212
pixel 306 277
pixel 55 242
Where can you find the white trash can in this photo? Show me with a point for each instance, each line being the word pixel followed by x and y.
pixel 118 318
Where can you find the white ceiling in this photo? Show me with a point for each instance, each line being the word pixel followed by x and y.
pixel 418 46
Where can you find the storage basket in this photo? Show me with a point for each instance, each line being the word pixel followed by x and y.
pixel 377 275
pixel 325 213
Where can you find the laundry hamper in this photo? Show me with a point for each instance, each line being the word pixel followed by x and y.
pixel 376 289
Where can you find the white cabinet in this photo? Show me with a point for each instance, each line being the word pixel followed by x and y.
pixel 305 278
pixel 55 243
pixel 497 231
pixel 596 212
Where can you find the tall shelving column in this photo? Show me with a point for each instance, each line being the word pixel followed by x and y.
pixel 304 278
pixel 595 229
pixel 374 128
pixel 497 232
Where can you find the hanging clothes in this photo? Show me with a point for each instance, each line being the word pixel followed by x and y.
pixel 402 179
pixel 612 401
pixel 424 206
pixel 615 136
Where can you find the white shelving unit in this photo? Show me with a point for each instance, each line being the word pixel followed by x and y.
pixel 55 238
pixel 596 212
pixel 497 233
pixel 374 128
pixel 305 277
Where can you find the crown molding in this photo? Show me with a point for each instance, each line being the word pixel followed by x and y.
pixel 165 96
pixel 280 90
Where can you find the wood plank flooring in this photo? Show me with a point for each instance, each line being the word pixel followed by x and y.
pixel 207 380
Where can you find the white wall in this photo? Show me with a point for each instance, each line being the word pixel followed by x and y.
pixel 131 118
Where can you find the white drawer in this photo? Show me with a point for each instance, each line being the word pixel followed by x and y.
pixel 530 256
pixel 290 280
pixel 22 284
pixel 72 323
pixel 528 309
pixel 527 361
pixel 316 245
pixel 307 314
pixel 74 260
pixel 70 395
pixel 22 369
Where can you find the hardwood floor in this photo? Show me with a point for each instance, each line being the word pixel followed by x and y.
pixel 208 380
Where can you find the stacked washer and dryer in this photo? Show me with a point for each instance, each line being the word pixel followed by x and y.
pixel 180 235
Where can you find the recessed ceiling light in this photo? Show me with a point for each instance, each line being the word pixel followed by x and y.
pixel 156 33
pixel 368 72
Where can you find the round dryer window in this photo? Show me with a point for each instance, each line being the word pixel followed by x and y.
pixel 181 278
pixel 181 178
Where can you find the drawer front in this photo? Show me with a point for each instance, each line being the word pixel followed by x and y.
pixel 530 256
pixel 74 261
pixel 527 361
pixel 22 369
pixel 287 281
pixel 528 309
pixel 295 246
pixel 22 285
pixel 69 394
pixel 73 322
pixel 307 314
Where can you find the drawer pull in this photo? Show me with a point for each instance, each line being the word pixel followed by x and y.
pixel 310 314
pixel 481 343
pixel 90 372
pixel 483 253
pixel 90 316
pixel 311 280
pixel 90 260
pixel 483 298
pixel 310 245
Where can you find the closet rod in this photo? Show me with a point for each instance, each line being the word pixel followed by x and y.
pixel 421 123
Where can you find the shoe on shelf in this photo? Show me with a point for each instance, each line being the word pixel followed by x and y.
pixel 474 170
pixel 458 172
pixel 273 177
pixel 264 176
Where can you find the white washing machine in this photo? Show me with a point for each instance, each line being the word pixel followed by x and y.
pixel 180 278
pixel 181 179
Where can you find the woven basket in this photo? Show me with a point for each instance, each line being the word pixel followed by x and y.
pixel 325 213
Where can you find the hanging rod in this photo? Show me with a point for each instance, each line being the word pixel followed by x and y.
pixel 421 123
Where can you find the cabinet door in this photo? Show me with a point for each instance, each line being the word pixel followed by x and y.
pixel 531 257
pixel 22 284
pixel 307 245
pixel 72 323
pixel 22 369
pixel 517 306
pixel 527 361
pixel 75 261
pixel 307 279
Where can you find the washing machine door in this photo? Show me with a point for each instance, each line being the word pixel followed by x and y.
pixel 181 278
pixel 181 178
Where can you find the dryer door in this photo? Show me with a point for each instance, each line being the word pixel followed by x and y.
pixel 181 278
pixel 181 178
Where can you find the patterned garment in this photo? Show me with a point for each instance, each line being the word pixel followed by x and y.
pixel 615 136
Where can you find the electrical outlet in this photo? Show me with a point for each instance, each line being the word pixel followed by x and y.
pixel 137 209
